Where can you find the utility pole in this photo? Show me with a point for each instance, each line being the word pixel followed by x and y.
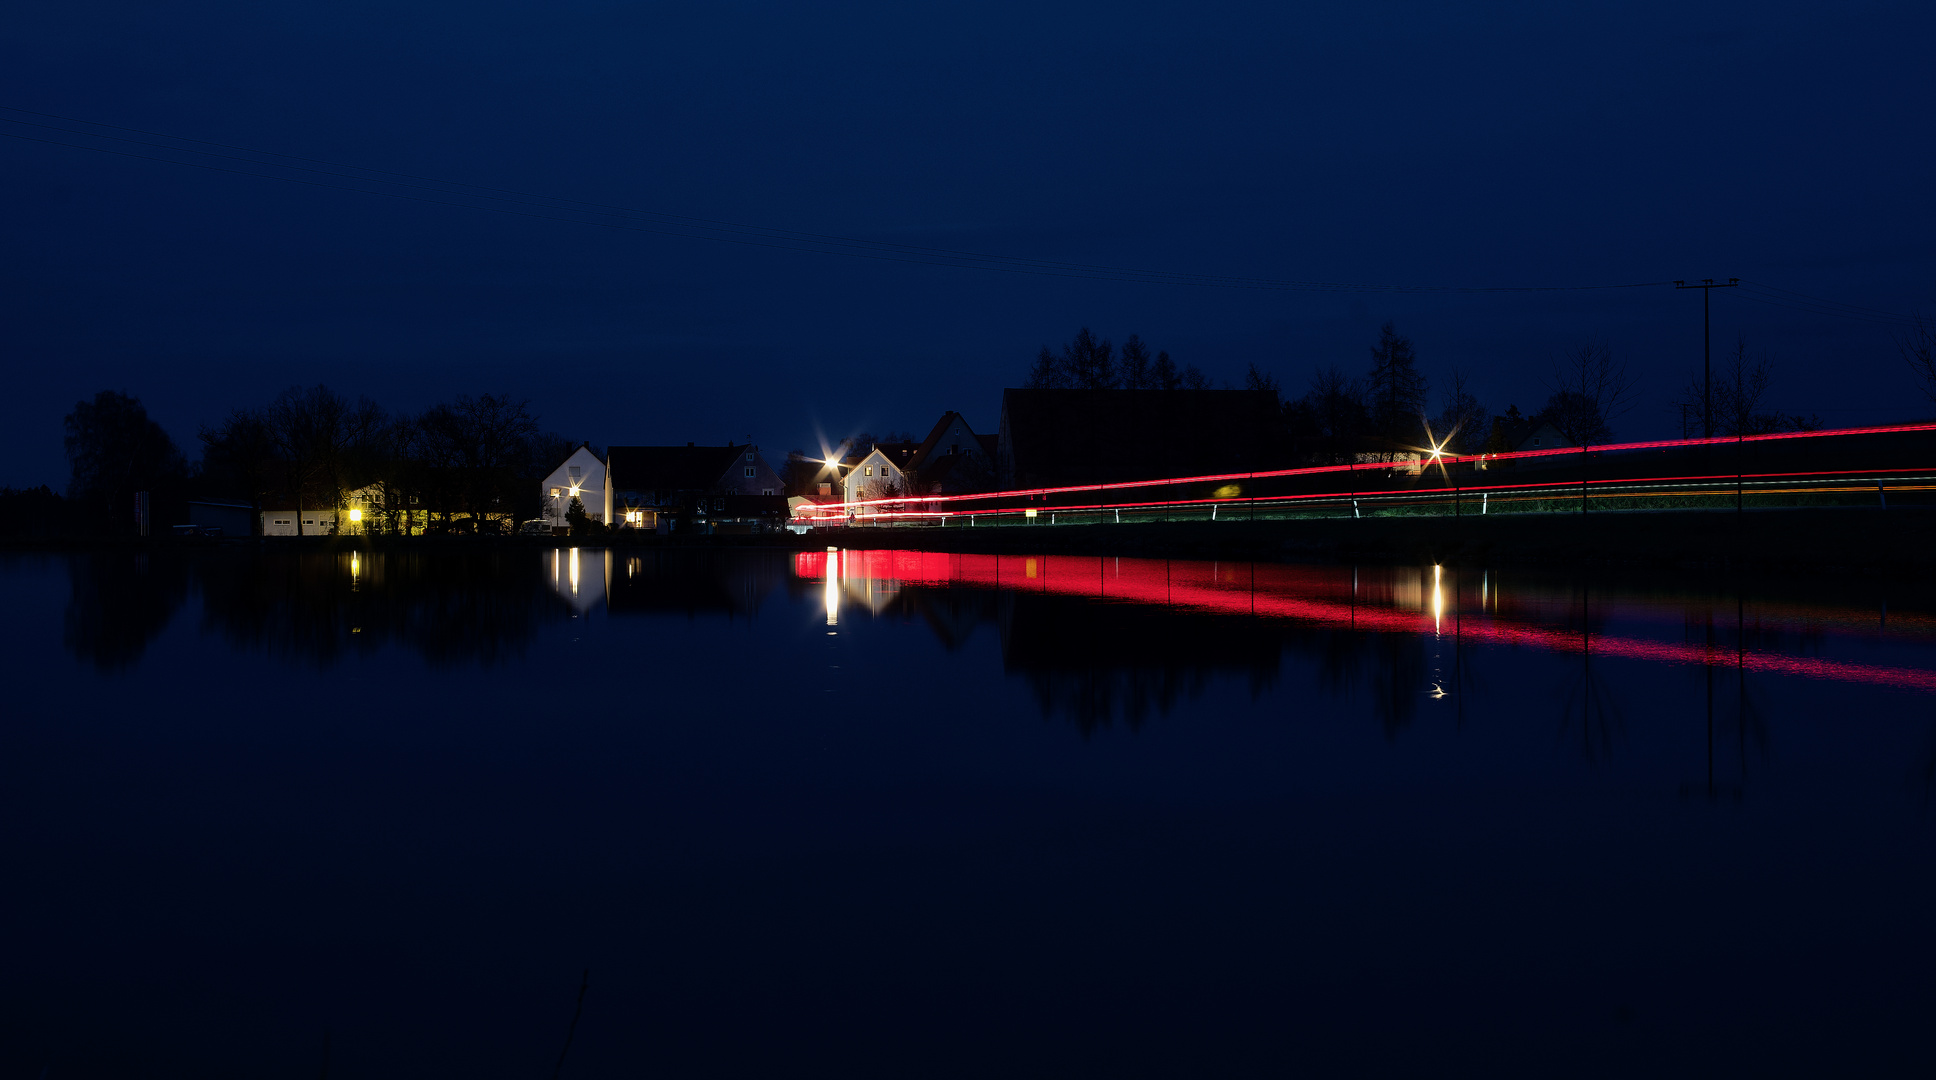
pixel 1707 285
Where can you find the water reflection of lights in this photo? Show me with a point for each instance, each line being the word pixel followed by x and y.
pixel 574 571
pixel 833 588
pixel 1290 592
pixel 356 570
pixel 1438 597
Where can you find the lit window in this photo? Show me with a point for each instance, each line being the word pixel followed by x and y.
pixel 554 494
pixel 867 470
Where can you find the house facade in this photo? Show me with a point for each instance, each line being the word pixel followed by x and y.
pixel 727 488
pixel 284 519
pixel 875 476
pixel 953 459
pixel 580 476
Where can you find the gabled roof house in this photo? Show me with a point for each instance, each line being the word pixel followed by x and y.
pixel 580 476
pixel 730 487
pixel 953 459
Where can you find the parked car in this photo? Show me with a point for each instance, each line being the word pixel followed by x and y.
pixel 535 527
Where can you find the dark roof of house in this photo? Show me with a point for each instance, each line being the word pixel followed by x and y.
pixel 669 468
pixel 941 426
pixel 899 453
pixel 1095 436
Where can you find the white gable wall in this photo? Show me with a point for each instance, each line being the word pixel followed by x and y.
pixel 587 483
pixel 865 479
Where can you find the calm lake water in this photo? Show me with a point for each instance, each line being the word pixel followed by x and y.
pixel 902 814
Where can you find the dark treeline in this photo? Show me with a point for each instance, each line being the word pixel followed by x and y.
pixel 472 464
pixel 1389 405
pixel 1386 405
pixel 469 465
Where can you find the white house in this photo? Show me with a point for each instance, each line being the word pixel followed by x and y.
pixel 874 476
pixel 580 476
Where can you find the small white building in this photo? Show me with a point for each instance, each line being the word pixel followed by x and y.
pixel 874 476
pixel 288 521
pixel 580 476
pixel 365 510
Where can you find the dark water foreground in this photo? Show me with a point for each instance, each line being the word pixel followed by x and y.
pixel 889 813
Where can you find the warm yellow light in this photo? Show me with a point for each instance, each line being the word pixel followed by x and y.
pixel 574 571
pixel 356 515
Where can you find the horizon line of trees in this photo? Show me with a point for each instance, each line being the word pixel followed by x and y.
pixel 463 465
pixel 1385 408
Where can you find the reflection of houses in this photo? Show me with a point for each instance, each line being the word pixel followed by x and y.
pixel 853 580
pixel 1051 437
pixel 580 575
pixel 643 582
pixel 710 488
pixel 580 476
pixel 688 582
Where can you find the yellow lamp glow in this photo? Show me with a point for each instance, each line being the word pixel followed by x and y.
pixel 356 515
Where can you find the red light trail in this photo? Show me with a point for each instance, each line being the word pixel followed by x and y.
pixel 947 506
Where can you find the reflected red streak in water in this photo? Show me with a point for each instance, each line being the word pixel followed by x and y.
pixel 1304 595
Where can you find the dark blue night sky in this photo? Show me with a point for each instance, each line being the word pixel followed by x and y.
pixel 1381 144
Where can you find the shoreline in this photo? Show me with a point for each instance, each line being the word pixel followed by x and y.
pixel 1813 541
